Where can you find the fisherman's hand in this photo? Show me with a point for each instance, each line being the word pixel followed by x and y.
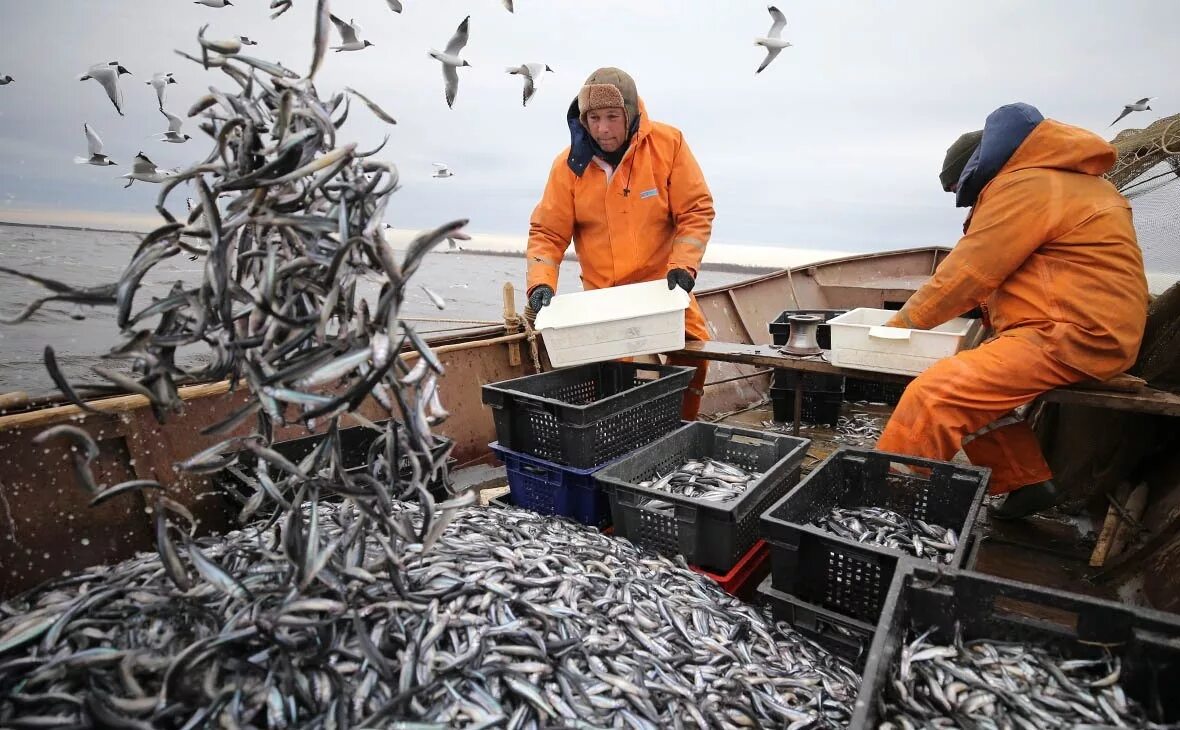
pixel 541 296
pixel 680 278
pixel 898 321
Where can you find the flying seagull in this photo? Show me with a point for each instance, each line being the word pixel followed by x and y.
pixel 145 170
pixel 160 83
pixel 395 5
pixel 108 75
pixel 441 170
pixel 213 3
pixel 246 41
pixel 1139 106
pixel 532 73
pixel 94 149
pixel 6 80
pixel 773 42
pixel 173 134
pixel 348 36
pixel 451 61
pixel 507 4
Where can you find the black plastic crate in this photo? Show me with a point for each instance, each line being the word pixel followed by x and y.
pixel 845 637
pixel 708 534
pixel 872 391
pixel 1146 642
pixel 846 576
pixel 819 407
pixel 784 378
pixel 780 328
pixel 588 415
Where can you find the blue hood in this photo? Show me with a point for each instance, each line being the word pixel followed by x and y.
pixel 582 145
pixel 1004 131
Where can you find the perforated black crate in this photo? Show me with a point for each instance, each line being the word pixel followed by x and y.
pixel 588 415
pixel 708 534
pixel 1146 642
pixel 784 378
pixel 846 576
pixel 780 328
pixel 872 391
pixel 845 637
pixel 819 407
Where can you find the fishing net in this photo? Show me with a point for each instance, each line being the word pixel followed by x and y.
pixel 1148 174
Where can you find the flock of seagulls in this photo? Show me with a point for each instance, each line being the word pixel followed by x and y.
pixel 107 75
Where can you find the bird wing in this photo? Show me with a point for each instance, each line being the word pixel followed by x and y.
pixel 395 5
pixel 93 141
pixel 771 54
pixel 459 39
pixel 530 88
pixel 109 78
pixel 507 4
pixel 174 122
pixel 347 32
pixel 452 77
pixel 780 21
pixel 1126 110
pixel 143 165
pixel 441 166
pixel 1145 99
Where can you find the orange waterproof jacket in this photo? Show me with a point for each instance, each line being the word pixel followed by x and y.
pixel 1050 251
pixel 652 214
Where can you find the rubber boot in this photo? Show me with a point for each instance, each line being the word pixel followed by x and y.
pixel 1026 501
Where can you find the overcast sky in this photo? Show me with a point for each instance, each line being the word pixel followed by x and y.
pixel 837 145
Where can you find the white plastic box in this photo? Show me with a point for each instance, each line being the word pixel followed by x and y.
pixel 620 321
pixel 859 340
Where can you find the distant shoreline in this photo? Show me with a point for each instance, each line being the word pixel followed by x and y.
pixel 719 268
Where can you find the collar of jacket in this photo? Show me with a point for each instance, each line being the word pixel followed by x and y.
pixel 583 148
pixel 1004 131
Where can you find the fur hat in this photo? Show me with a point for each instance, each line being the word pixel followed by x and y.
pixel 609 87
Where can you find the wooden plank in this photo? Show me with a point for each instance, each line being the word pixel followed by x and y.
pixel 1122 393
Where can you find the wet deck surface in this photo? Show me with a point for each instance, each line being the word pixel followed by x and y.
pixel 1052 551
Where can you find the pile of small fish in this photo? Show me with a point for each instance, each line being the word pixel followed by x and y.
pixel 340 603
pixel 1003 684
pixel 854 429
pixel 886 528
pixel 511 619
pixel 707 480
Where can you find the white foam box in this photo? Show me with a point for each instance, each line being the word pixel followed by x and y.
pixel 619 321
pixel 860 341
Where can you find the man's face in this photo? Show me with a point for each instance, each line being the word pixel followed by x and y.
pixel 608 127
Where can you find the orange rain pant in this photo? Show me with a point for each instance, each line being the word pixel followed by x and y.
pixel 696 388
pixel 962 394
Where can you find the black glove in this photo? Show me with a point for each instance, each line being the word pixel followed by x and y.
pixel 540 297
pixel 680 278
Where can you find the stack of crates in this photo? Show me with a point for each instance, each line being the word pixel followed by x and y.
pixel 832 588
pixel 822 394
pixel 554 430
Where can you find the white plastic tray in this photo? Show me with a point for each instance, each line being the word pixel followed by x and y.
pixel 620 321
pixel 860 341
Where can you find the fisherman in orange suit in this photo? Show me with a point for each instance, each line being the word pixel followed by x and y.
pixel 1050 255
pixel 631 197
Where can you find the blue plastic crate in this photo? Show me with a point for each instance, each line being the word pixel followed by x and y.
pixel 551 489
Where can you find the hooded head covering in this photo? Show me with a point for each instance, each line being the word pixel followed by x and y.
pixel 956 158
pixel 1004 131
pixel 609 87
